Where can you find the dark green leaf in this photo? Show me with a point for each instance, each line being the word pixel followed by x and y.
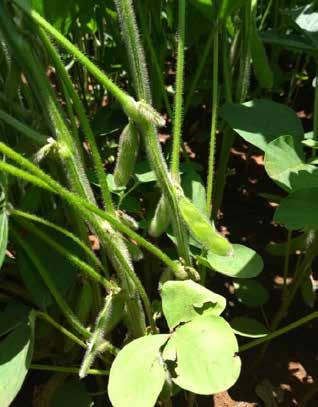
pixel 251 293
pixel 72 394
pixel 248 327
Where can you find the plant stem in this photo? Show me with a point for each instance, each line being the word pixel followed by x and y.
pixel 215 100
pixel 33 135
pixel 79 108
pixel 66 369
pixel 44 181
pixel 279 332
pixel 198 72
pixel 60 328
pixel 177 121
pixel 286 264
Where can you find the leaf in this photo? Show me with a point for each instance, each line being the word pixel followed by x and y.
pixel 285 164
pixel 299 210
pixel 137 374
pixel 3 227
pixel 308 292
pixel 251 293
pixel 205 354
pixel 306 19
pixel 288 41
pixel 249 327
pixel 261 121
pixel 205 8
pixel 182 301
pixel 193 188
pixel 14 314
pixel 245 263
pixel 15 358
pixel 143 173
pixel 72 393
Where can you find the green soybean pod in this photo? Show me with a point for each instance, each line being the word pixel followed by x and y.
pixel 127 155
pixel 261 66
pixel 202 230
pixel 161 219
pixel 111 313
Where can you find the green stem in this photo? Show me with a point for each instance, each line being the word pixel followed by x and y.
pixel 61 230
pixel 66 369
pixel 177 122
pixel 215 100
pixel 33 135
pixel 279 332
pixel 198 72
pixel 60 328
pixel 79 108
pixel 81 265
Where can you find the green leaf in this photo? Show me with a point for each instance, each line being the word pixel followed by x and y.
pixel 182 301
pixel 306 19
pixel 205 8
pixel 3 225
pixel 288 41
pixel 14 314
pixel 245 263
pixel 204 351
pixel 143 173
pixel 285 164
pixel 249 327
pixel 15 358
pixel 299 210
pixel 193 188
pixel 137 374
pixel 261 121
pixel 308 292
pixel 251 293
pixel 72 394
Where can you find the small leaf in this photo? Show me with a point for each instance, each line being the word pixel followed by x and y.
pixel 182 301
pixel 73 393
pixel 205 354
pixel 251 293
pixel 15 358
pixel 285 164
pixel 245 263
pixel 299 210
pixel 261 121
pixel 249 327
pixel 137 374
pixel 144 174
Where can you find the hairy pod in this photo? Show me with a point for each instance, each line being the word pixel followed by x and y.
pixel 261 66
pixel 128 220
pixel 161 220
pixel 127 155
pixel 107 319
pixel 202 230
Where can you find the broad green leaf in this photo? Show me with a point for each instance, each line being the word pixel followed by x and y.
pixel 261 121
pixel 204 351
pixel 14 314
pixel 299 210
pixel 251 293
pixel 182 301
pixel 3 233
pixel 285 164
pixel 245 263
pixel 280 249
pixel 249 327
pixel 137 374
pixel 72 394
pixel 15 358
pixel 143 173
